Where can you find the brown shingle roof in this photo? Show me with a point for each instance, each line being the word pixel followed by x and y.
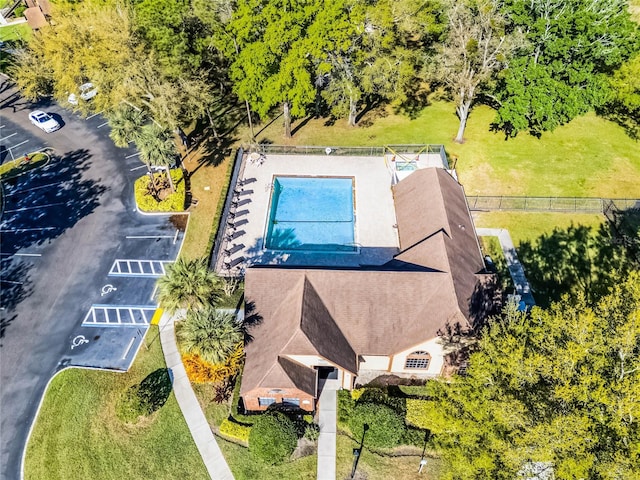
pixel 339 314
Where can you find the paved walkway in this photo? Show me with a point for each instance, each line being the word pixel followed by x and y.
pixel 327 419
pixel 515 267
pixel 196 421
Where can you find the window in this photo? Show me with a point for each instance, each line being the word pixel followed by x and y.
pixel 266 401
pixel 291 401
pixel 419 360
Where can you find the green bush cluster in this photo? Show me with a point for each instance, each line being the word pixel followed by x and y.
pixel 144 398
pixel 173 203
pixel 386 427
pixel 312 432
pixel 345 406
pixel 418 412
pixel 235 430
pixel 273 438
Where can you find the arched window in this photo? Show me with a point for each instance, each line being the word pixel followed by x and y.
pixel 418 359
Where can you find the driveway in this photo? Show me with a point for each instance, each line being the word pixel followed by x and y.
pixel 77 281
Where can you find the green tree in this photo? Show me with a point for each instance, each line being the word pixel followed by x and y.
pixel 69 53
pixel 369 52
pixel 624 106
pixel 188 284
pixel 126 123
pixel 559 385
pixel 272 65
pixel 562 72
pixel 273 438
pixel 211 334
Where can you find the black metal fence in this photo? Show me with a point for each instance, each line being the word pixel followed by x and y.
pixel 551 204
pixel 345 151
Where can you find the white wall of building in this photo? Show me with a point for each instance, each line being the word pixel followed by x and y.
pixel 433 347
pixel 374 362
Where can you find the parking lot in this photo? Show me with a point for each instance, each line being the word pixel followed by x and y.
pixel 78 262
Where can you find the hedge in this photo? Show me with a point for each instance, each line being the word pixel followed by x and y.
pixel 418 412
pixel 273 438
pixel 235 430
pixel 386 427
pixel 173 203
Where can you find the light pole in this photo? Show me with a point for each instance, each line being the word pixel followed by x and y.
pixel 358 451
pixel 423 461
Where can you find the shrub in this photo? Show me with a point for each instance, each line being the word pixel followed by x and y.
pixel 386 427
pixel 273 438
pixel 174 201
pixel 200 371
pixel 356 393
pixel 418 412
pixel 391 396
pixel 345 406
pixel 146 397
pixel 312 432
pixel 235 430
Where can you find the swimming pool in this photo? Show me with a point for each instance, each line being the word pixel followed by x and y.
pixel 311 214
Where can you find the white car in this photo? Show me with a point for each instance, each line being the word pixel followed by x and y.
pixel 87 92
pixel 44 121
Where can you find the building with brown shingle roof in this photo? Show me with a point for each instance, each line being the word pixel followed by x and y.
pixel 359 322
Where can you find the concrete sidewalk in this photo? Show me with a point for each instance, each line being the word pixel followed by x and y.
pixel 200 431
pixel 515 267
pixel 327 420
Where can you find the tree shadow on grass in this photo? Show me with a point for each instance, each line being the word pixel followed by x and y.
pixel 582 258
pixel 155 389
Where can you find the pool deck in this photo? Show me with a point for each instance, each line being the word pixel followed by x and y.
pixel 375 231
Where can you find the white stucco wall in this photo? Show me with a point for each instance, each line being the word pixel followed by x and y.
pixel 374 362
pixel 433 347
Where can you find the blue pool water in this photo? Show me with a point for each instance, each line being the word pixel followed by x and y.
pixel 312 214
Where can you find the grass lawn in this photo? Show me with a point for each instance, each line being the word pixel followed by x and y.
pixel 19 166
pixel 209 185
pixel 78 436
pixel 373 466
pixel 16 32
pixel 589 157
pixel 528 226
pixel 245 467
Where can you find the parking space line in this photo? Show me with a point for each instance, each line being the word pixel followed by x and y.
pixel 126 352
pixel 138 268
pixel 28 254
pixel 148 236
pixel 24 209
pixel 19 230
pixel 34 188
pixel 8 136
pixel 94 115
pixel 102 124
pixel 118 316
pixel 134 155
pixel 137 168
pixel 17 145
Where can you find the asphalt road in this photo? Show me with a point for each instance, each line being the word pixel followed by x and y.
pixel 64 228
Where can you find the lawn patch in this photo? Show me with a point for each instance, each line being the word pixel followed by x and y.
pixel 77 433
pixel 22 165
pixel 570 161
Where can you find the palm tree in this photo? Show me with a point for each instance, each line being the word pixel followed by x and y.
pixel 188 284
pixel 157 148
pixel 211 334
pixel 126 123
